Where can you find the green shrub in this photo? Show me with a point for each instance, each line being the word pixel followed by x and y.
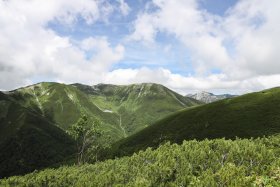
pixel 241 162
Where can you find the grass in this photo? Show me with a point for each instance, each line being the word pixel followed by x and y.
pixel 64 104
pixel 250 115
pixel 139 105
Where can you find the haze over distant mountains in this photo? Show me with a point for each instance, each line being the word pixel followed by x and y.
pixel 208 97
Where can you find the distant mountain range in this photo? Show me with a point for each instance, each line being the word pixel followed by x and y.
pixel 207 97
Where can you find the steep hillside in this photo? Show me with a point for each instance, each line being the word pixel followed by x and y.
pixel 64 104
pixel 28 140
pixel 137 105
pixel 207 97
pixel 123 110
pixel 250 115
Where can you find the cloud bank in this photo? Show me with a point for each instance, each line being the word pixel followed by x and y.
pixel 243 45
pixel 236 52
pixel 30 50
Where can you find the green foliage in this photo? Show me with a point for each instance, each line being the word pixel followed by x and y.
pixel 251 115
pixel 86 135
pixel 220 162
pixel 82 128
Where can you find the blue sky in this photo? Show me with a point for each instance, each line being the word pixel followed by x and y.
pixel 221 46
pixel 117 27
pixel 218 7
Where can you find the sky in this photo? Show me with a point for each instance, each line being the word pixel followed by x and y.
pixel 220 46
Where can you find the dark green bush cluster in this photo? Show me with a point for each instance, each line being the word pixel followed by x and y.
pixel 242 162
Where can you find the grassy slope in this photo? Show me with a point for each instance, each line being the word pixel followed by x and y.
pixel 138 105
pixel 28 141
pixel 28 117
pixel 250 115
pixel 123 110
pixel 64 104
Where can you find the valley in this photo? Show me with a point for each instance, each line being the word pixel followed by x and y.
pixel 138 121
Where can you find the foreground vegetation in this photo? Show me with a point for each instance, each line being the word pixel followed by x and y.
pixel 241 162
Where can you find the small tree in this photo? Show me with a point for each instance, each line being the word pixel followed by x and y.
pixel 85 134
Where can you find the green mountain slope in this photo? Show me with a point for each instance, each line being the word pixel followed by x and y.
pixel 28 140
pixel 137 105
pixel 64 104
pixel 36 118
pixel 250 115
pixel 123 110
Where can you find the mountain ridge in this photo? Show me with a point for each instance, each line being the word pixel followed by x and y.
pixel 108 103
pixel 137 100
pixel 208 97
pixel 250 115
pixel 42 113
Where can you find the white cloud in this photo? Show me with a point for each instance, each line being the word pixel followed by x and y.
pixel 104 55
pixel 243 44
pixel 254 26
pixel 124 8
pixel 195 28
pixel 217 83
pixel 30 50
pixel 144 30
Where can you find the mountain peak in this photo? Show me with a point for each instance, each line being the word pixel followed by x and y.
pixel 205 93
pixel 208 97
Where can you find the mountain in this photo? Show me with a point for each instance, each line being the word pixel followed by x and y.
pixel 123 110
pixel 251 115
pixel 137 105
pixel 207 97
pixel 28 140
pixel 63 105
pixel 34 119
